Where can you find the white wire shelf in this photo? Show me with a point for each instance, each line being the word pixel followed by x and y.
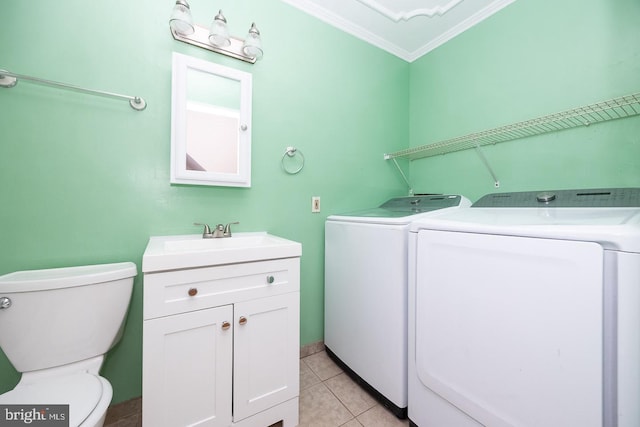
pixel 616 108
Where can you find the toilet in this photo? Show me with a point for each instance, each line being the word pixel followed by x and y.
pixel 55 327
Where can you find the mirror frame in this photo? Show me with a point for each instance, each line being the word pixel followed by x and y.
pixel 179 172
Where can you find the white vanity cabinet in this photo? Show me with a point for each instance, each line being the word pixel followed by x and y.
pixel 221 345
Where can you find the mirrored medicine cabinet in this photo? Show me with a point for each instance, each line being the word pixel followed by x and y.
pixel 210 124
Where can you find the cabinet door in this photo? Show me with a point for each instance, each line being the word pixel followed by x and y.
pixel 187 370
pixel 266 353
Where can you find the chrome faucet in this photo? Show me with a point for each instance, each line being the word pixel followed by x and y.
pixel 227 229
pixel 219 230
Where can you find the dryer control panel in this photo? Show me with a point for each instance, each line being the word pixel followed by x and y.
pixel 589 198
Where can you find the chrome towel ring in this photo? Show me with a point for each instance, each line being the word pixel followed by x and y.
pixel 292 167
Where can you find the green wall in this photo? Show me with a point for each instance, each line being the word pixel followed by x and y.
pixel 531 59
pixel 86 179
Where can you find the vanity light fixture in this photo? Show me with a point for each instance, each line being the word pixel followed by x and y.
pixel 216 38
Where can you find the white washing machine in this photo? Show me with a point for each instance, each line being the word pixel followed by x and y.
pixel 525 311
pixel 366 292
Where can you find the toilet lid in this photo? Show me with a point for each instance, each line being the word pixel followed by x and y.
pixel 81 392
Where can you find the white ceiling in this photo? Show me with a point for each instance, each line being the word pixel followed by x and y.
pixel 405 28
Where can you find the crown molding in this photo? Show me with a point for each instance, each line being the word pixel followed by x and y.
pixel 314 9
pixel 459 28
pixel 349 27
pixel 397 16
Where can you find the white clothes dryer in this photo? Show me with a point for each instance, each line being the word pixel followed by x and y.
pixel 525 311
pixel 366 292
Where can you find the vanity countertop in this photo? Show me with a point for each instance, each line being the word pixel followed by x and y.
pixel 190 251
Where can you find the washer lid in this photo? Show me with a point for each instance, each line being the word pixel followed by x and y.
pixel 613 228
pixel 81 391
pixel 400 207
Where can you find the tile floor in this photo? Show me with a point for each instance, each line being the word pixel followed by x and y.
pixel 328 398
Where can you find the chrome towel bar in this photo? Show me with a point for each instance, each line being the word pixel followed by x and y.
pixel 9 80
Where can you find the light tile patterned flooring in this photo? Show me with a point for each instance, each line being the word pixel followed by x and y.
pixel 328 398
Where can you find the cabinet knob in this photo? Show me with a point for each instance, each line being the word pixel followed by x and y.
pixel 270 279
pixel 243 320
pixel 193 292
pixel 225 325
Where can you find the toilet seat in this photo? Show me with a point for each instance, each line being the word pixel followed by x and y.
pixel 81 391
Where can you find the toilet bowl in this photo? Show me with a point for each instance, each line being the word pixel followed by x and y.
pixel 55 327
pixel 87 395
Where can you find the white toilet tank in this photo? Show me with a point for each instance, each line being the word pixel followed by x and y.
pixel 50 318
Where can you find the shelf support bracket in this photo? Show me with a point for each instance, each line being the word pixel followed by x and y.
pixel 496 182
pixel 403 176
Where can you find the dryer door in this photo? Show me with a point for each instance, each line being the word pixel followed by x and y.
pixel 509 329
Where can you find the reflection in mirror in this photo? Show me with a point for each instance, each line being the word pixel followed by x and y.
pixel 212 138
pixel 211 117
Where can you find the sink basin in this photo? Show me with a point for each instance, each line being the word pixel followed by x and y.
pixel 188 251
